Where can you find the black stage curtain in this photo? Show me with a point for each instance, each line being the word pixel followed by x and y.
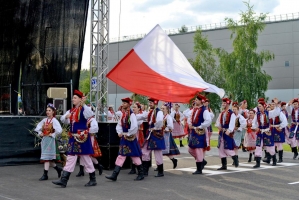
pixel 41 42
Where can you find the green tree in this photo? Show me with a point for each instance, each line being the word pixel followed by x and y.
pixel 205 64
pixel 242 68
pixel 84 82
pixel 140 98
pixel 183 29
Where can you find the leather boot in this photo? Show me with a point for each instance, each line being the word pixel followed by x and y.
pixel 243 148
pixel 274 160
pixel 100 168
pixel 81 172
pixel 181 143
pixel 92 180
pixel 115 173
pixel 280 154
pixel 63 180
pixel 160 171
pixel 250 157
pixel 133 169
pixel 258 162
pixel 224 164
pixel 204 163
pixel 236 160
pixel 268 159
pixel 295 152
pixel 265 154
pixel 140 173
pixel 254 156
pixel 44 176
pixel 198 168
pixel 59 170
pixel 145 165
pixel 174 162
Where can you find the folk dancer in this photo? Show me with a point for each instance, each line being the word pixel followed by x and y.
pixel 111 117
pixel 154 140
pixel 79 140
pixel 93 129
pixel 187 113
pixel 277 127
pixel 226 125
pixel 171 148
pixel 292 108
pixel 48 128
pixel 210 130
pixel 199 121
pixel 265 138
pixel 244 112
pixel 178 129
pixel 240 124
pixel 127 129
pixel 250 136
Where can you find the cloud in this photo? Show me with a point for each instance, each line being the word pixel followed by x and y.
pixel 144 6
pixel 177 20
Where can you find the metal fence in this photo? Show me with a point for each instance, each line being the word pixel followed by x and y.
pixel 269 19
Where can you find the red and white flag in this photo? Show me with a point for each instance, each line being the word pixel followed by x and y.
pixel 156 67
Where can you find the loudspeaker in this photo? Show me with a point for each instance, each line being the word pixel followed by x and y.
pixel 107 134
pixel 57 93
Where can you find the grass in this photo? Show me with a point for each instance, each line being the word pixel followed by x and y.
pixel 214 143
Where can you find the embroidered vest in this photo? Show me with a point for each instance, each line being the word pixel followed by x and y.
pixel 293 116
pixel 125 122
pixel 266 120
pixel 198 119
pixel 154 116
pixel 229 112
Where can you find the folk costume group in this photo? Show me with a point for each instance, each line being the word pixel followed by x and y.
pixel 262 128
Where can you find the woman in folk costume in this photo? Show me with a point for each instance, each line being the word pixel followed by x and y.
pixel 244 112
pixel 293 109
pixel 79 140
pixel 210 130
pixel 250 135
pixel 199 121
pixel 178 129
pixel 240 124
pixel 111 117
pixel 127 129
pixel 277 127
pixel 171 148
pixel 93 129
pixel 48 128
pixel 139 135
pixel 261 125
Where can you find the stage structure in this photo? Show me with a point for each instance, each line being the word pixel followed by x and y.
pixel 99 49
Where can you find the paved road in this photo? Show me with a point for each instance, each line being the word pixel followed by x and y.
pixel 21 182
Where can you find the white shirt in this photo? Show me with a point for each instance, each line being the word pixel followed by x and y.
pixel 290 108
pixel 55 123
pixel 94 127
pixel 169 121
pixel 232 121
pixel 133 128
pixel 242 120
pixel 272 114
pixel 87 112
pixel 159 119
pixel 206 116
pixel 172 114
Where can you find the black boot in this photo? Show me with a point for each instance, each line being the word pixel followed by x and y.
pixel 274 160
pixel 265 154
pixel 63 180
pixel 250 157
pixel 204 163
pixel 181 143
pixel 100 168
pixel 254 156
pixel 160 171
pixel 115 173
pixel 81 172
pixel 236 160
pixel 280 154
pixel 295 152
pixel 45 176
pixel 133 169
pixel 258 162
pixel 59 170
pixel 174 162
pixel 243 148
pixel 145 165
pixel 140 173
pixel 276 150
pixel 224 164
pixel 198 168
pixel 268 158
pixel 92 180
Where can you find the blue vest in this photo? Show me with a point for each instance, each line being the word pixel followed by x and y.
pixel 126 125
pixel 152 125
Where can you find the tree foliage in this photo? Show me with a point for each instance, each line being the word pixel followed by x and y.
pixel 205 64
pixel 84 82
pixel 242 68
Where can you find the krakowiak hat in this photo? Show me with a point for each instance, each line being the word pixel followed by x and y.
pixel 261 99
pixel 78 93
pixel 226 100
pixel 283 103
pixel 295 100
pixel 235 104
pixel 128 100
pixel 155 101
pixel 201 97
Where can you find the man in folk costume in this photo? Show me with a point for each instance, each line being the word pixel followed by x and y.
pixel 187 113
pixel 93 129
pixel 261 125
pixel 155 140
pixel 178 130
pixel 226 125
pixel 277 126
pixel 293 107
pixel 199 121
pixel 210 130
pixel 79 140
pixel 245 113
pixel 127 129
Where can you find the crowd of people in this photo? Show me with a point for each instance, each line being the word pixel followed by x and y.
pixel 263 128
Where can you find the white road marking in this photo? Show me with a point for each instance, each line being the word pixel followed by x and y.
pixel 6 197
pixel 293 183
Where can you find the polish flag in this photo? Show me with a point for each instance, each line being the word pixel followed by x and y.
pixel 156 67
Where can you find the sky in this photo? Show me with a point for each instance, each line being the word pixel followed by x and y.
pixel 132 17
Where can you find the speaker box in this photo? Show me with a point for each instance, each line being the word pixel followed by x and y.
pixel 107 134
pixel 57 93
